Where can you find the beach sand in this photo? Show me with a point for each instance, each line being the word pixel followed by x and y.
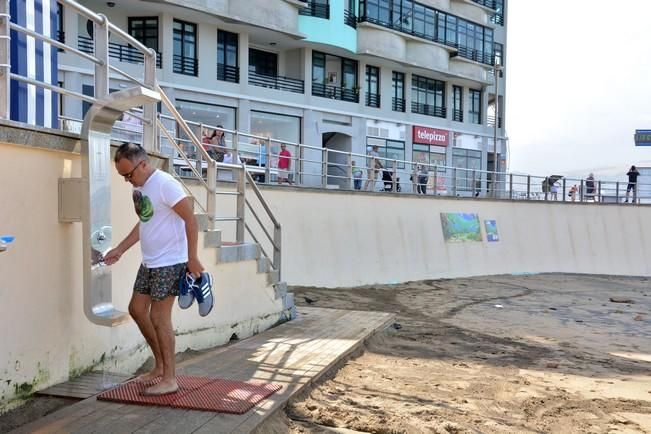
pixel 498 354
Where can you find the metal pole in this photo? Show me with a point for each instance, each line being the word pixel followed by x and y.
pixel 617 192
pixel 101 52
pixel 324 168
pixel 564 190
pixel 349 170
pixel 394 186
pixel 241 203
pixel 473 182
pixel 454 181
pixel 212 199
pixel 236 144
pixel 599 192
pixel 267 159
pixel 510 186
pixel 436 171
pixel 528 187
pixel 5 57
pixel 496 163
pixel 149 129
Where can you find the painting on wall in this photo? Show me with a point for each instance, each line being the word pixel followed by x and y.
pixel 491 230
pixel 460 227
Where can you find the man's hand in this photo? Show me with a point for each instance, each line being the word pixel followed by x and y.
pixel 195 267
pixel 113 256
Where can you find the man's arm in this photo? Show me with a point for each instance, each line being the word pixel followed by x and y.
pixel 184 210
pixel 115 254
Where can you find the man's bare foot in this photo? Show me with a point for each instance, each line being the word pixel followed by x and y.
pixel 149 376
pixel 162 388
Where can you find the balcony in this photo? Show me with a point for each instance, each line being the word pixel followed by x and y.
pixel 373 100
pixel 186 65
pixel 428 110
pixel 277 82
pixel 316 9
pixel 487 3
pixel 475 55
pixel 335 92
pixel 490 121
pixel 398 104
pixel 457 115
pixel 124 53
pixel 350 19
pixel 228 73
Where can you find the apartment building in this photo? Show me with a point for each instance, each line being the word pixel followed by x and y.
pixel 416 78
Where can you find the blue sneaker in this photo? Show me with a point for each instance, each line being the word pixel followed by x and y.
pixel 186 290
pixel 203 292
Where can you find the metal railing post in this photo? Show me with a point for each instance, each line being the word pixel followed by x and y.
pixel 474 186
pixel 581 192
pixel 241 203
pixel 236 144
pixel 102 53
pixel 564 190
pixel 434 183
pixel 546 187
pixel 454 181
pixel 149 128
pixel 301 161
pixel 528 187
pixel 510 186
pixel 349 170
pixel 599 191
pixel 324 168
pixel 277 248
pixel 5 68
pixel 211 203
pixel 635 192
pixel 267 159
pixel 617 192
pixel 394 181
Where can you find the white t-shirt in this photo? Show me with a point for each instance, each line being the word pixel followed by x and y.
pixel 162 231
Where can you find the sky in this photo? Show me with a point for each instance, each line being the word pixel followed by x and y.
pixel 578 85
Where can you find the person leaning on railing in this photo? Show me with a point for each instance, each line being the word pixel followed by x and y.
pixel 632 183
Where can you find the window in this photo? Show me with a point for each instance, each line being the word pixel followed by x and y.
pixel 60 33
pixel 499 54
pixel 498 17
pixel 398 97
pixel 263 62
pixel 389 149
pixel 466 160
pixel 185 48
pixel 145 30
pixel 378 11
pixel 475 106
pixel 428 96
pixel 227 47
pixel 349 74
pixel 457 103
pixel 316 8
pixel 318 68
pixel 350 19
pixel 334 77
pixel 372 86
pixel 427 154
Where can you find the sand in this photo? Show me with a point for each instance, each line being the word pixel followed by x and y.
pixel 499 354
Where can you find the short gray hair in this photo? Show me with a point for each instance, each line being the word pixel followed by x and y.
pixel 132 152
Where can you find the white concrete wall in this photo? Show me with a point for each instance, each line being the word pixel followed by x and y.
pixel 338 239
pixel 46 337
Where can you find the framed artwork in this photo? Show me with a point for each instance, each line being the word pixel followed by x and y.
pixel 332 78
pixel 460 227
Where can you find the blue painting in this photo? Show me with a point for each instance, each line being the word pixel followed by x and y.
pixel 460 227
pixel 491 230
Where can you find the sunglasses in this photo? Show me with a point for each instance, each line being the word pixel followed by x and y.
pixel 129 175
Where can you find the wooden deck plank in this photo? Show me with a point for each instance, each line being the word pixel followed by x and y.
pixel 294 354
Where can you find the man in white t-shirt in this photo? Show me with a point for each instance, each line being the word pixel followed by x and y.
pixel 167 231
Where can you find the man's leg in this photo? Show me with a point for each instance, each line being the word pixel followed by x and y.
pixel 139 309
pixel 161 318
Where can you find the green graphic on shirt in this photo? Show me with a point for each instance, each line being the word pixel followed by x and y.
pixel 143 205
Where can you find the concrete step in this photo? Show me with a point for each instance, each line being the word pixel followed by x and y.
pixel 212 238
pixel 273 277
pixel 235 252
pixel 280 289
pixel 264 265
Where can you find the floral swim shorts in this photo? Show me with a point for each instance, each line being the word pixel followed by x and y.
pixel 160 282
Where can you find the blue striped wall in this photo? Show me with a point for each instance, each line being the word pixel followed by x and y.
pixel 34 59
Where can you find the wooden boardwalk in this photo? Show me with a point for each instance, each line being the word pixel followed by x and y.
pixel 293 354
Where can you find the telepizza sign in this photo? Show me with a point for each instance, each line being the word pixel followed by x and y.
pixel 431 136
pixel 642 137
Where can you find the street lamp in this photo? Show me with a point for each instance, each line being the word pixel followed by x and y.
pixel 496 162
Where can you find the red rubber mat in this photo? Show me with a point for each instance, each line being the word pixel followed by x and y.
pixel 196 393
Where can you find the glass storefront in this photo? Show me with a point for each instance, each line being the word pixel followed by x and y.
pixel 280 127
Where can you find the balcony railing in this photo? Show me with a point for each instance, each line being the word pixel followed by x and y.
pixel 498 19
pixel 228 73
pixel 186 65
pixel 467 53
pixel 488 3
pixel 277 82
pixel 490 121
pixel 334 92
pixel 124 53
pixel 476 55
pixel 373 100
pixel 350 19
pixel 315 9
pixel 398 104
pixel 457 115
pixel 429 110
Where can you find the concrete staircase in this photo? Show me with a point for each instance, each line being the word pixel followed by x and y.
pixel 233 252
